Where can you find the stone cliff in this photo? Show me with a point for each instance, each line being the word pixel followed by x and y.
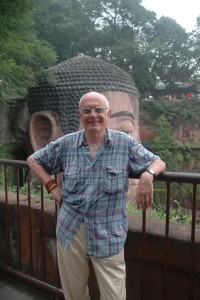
pixel 186 133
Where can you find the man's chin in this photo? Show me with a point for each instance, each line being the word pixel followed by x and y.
pixel 94 129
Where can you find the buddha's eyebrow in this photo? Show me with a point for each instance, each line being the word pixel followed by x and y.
pixel 123 113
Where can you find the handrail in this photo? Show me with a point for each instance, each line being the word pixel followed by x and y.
pixel 168 177
pixel 184 177
pixel 12 162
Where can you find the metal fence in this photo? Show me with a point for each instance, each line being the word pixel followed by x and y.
pixel 17 174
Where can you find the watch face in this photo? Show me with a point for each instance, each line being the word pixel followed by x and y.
pixel 152 172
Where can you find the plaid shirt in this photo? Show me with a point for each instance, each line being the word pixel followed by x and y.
pixel 94 189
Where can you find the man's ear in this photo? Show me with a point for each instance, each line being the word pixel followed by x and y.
pixel 44 127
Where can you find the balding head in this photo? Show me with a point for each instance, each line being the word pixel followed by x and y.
pixel 93 95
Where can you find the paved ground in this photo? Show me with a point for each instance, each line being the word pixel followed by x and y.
pixel 13 289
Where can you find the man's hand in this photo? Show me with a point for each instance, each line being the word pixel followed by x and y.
pixel 57 195
pixel 144 195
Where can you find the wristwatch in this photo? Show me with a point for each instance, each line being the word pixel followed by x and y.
pixel 152 172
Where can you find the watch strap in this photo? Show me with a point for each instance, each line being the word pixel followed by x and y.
pixel 152 172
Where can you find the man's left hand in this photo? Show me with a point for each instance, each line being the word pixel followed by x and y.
pixel 144 195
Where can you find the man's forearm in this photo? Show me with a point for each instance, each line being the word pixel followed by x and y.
pixel 38 170
pixel 158 166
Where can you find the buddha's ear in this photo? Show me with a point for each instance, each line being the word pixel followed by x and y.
pixel 44 127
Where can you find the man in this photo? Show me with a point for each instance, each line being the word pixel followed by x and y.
pixel 92 221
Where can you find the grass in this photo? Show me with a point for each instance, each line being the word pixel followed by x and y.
pixel 158 211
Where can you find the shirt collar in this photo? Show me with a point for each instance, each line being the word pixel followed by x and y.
pixel 108 136
pixel 81 140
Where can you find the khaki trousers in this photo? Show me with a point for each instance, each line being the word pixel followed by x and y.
pixel 74 271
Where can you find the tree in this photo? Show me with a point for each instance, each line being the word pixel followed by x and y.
pixel 66 24
pixel 171 59
pixel 194 44
pixel 123 28
pixel 165 144
pixel 137 62
pixel 120 31
pixel 22 54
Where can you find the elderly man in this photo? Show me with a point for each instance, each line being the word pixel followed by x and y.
pixel 92 221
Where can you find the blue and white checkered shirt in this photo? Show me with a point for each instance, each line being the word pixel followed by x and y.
pixel 94 189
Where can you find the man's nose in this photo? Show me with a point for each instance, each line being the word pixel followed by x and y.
pixel 93 112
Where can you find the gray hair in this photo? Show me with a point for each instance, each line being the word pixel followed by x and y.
pixel 106 100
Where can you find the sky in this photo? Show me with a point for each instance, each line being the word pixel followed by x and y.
pixel 184 12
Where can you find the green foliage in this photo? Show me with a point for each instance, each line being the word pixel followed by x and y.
pixel 22 54
pixel 159 212
pixel 122 32
pixel 172 61
pixel 129 57
pixel 175 112
pixel 35 190
pixel 166 146
pixel 180 205
pixel 164 116
pixel 176 213
pixel 6 152
pixel 66 25
pixel 164 138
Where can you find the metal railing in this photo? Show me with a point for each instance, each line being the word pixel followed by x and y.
pixel 21 174
pixel 169 178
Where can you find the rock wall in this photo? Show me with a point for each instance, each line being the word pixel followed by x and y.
pixel 189 132
pixel 6 134
pixel 186 133
pixel 14 121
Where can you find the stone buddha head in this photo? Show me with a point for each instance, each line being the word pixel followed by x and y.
pixel 53 108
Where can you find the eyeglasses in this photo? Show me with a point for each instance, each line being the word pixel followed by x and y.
pixel 98 110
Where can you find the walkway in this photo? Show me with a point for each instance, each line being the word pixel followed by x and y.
pixel 13 289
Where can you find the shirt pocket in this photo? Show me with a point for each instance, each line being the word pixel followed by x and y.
pixel 114 179
pixel 71 180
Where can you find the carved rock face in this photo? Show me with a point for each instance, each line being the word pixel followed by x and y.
pixel 54 108
pixel 75 77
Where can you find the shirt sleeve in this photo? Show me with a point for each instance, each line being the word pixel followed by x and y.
pixel 140 158
pixel 50 157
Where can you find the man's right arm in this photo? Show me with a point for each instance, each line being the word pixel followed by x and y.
pixel 44 177
pixel 38 170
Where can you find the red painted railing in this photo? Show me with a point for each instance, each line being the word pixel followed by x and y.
pixel 10 267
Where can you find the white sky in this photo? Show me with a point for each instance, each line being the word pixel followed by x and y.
pixel 184 12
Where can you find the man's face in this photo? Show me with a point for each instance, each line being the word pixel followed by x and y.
pixel 94 113
pixel 124 115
